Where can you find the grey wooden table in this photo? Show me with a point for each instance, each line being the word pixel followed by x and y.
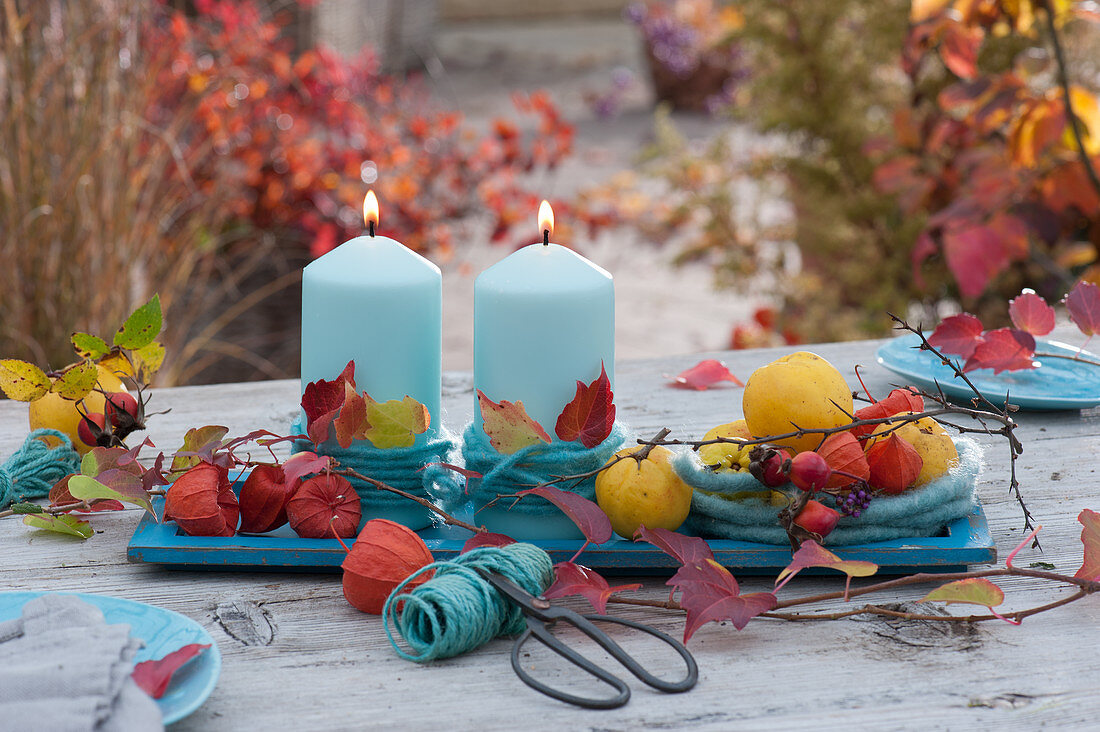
pixel 295 653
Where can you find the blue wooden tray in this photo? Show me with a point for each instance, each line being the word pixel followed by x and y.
pixel 964 542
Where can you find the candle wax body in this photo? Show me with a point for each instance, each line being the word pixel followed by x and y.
pixel 544 319
pixel 375 301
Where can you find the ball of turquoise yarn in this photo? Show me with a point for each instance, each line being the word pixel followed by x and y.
pixel 457 610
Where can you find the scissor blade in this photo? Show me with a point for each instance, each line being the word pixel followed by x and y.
pixel 531 605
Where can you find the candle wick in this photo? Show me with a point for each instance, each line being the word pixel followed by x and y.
pixel 371 225
pixel 546 237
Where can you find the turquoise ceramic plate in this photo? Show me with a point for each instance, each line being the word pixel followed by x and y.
pixel 1057 383
pixel 163 631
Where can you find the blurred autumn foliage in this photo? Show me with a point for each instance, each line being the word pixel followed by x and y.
pixel 926 152
pixel 1002 167
pixel 200 156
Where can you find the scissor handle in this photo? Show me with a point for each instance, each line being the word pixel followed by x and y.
pixel 542 632
pixel 620 655
pixel 584 623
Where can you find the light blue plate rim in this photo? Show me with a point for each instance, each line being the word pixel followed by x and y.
pixel 1039 392
pixel 167 630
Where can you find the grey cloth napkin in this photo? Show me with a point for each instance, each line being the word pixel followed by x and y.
pixel 62 669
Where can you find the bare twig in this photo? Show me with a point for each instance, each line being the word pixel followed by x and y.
pixel 447 518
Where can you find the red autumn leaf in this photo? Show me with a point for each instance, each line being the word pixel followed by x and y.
pixel 351 423
pixel 322 399
pixel 301 464
pixel 812 554
pixel 894 464
pixel 709 593
pixel 573 579
pixel 1030 313
pixel 153 677
pixel 843 452
pixel 230 446
pixel 1083 304
pixel 1004 349
pixel 897 401
pixel 957 335
pixel 959 49
pixel 977 254
pixel 202 502
pixel 153 476
pixel 703 375
pixel 682 548
pixel 486 538
pixel 324 506
pixel 263 498
pixel 1090 538
pixel 588 517
pixel 383 555
pixel 591 415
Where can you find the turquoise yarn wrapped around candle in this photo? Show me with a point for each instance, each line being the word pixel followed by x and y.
pixel 918 512
pixel 34 468
pixel 407 468
pixel 457 610
pixel 535 464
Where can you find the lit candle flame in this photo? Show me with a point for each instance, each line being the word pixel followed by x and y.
pixel 370 210
pixel 546 219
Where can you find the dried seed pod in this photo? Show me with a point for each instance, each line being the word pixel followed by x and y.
pixel 263 498
pixel 202 502
pixel 323 507
pixel 383 555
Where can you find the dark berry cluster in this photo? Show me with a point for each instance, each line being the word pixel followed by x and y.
pixel 854 502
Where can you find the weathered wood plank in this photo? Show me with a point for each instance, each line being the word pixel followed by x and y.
pixel 293 648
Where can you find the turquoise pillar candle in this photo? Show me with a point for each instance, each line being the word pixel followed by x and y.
pixel 544 319
pixel 375 301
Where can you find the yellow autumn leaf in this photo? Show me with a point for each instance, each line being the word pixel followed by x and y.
pixel 395 423
pixel 973 590
pixel 1087 111
pixel 76 381
pixel 509 427
pixel 22 381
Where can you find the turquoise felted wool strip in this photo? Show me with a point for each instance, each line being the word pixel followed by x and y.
pixel 34 468
pixel 457 610
pixel 535 464
pixel 920 512
pixel 400 467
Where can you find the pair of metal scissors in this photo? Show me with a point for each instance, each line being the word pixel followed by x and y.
pixel 541 616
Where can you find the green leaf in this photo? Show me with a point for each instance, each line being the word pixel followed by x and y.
pixel 141 327
pixel 77 381
pixel 151 357
pixel 973 591
pixel 63 524
pixel 117 484
pixel 1041 565
pixel 87 345
pixel 22 381
pixel 26 508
